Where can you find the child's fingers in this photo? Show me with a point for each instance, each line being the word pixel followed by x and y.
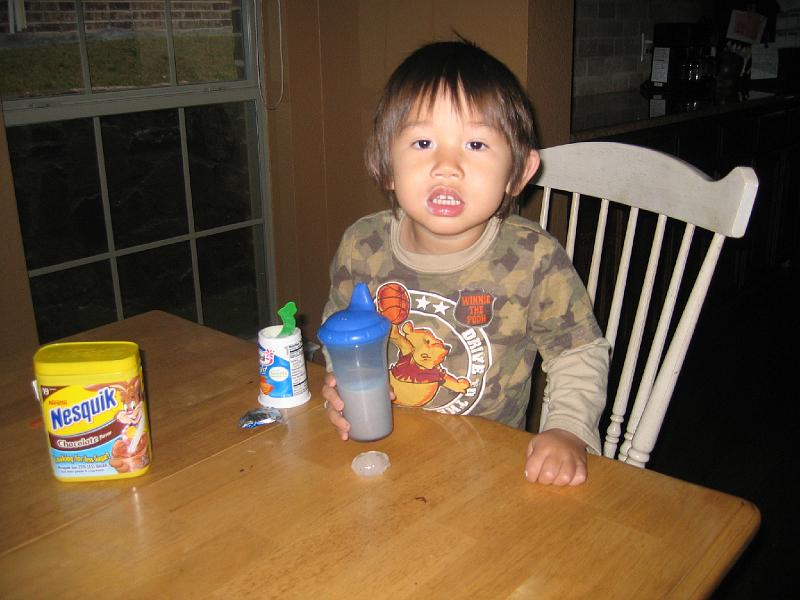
pixel 332 399
pixel 553 470
pixel 533 465
pixel 551 466
pixel 565 473
pixel 331 395
pixel 329 383
pixel 334 407
pixel 341 424
pixel 580 474
pixel 550 469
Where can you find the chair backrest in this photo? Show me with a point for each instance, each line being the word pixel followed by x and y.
pixel 623 181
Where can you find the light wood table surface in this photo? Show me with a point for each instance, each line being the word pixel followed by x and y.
pixel 276 511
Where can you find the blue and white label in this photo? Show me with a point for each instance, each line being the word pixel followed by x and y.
pixel 276 373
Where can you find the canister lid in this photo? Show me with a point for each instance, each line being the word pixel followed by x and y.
pixel 80 358
pixel 359 323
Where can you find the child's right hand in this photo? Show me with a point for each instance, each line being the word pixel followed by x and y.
pixel 334 406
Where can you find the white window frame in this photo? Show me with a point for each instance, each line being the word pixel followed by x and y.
pixel 94 105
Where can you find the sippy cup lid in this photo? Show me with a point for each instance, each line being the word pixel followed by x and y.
pixel 359 323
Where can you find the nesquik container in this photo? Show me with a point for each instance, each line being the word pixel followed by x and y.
pixel 93 407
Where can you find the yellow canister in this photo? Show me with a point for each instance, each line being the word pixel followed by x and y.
pixel 93 407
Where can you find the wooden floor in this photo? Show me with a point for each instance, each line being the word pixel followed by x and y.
pixel 733 426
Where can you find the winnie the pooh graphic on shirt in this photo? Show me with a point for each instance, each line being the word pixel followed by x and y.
pixel 418 373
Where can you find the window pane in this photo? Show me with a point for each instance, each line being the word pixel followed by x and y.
pixel 158 279
pixel 58 191
pixel 145 176
pixel 208 41
pixel 221 141
pixel 228 280
pixel 73 300
pixel 39 53
pixel 127 44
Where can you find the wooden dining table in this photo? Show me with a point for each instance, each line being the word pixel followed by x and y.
pixel 277 512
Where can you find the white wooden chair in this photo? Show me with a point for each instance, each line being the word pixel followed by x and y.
pixel 646 181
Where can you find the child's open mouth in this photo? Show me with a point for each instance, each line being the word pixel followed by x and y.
pixel 445 203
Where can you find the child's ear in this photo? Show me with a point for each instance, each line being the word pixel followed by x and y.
pixel 531 166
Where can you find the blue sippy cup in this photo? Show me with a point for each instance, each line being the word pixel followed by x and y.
pixel 356 340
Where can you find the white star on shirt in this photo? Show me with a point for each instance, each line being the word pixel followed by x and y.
pixel 423 302
pixel 440 308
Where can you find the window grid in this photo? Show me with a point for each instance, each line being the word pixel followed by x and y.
pixel 96 105
pixel 187 186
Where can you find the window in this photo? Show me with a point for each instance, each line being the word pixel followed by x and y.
pixel 136 144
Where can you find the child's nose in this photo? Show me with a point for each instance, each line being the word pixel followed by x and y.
pixel 447 165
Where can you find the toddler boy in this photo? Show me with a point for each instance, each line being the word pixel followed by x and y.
pixel 472 289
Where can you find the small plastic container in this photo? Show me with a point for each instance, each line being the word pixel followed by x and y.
pixel 93 407
pixel 356 339
pixel 282 378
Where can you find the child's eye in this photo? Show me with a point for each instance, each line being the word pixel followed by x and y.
pixel 476 145
pixel 422 144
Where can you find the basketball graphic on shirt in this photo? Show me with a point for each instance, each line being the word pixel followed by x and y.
pixel 393 302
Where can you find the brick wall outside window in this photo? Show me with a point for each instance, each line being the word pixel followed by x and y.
pixel 45 16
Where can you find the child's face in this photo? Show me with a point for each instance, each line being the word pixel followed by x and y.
pixel 450 173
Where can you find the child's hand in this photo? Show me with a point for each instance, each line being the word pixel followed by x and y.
pixel 334 406
pixel 556 457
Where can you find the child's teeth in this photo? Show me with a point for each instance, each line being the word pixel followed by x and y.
pixel 448 200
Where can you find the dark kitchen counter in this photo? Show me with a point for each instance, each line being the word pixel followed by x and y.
pixel 607 115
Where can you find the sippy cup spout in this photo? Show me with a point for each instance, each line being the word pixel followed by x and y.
pixel 361 299
pixel 359 323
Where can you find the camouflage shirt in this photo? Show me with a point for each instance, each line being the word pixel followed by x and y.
pixel 467 326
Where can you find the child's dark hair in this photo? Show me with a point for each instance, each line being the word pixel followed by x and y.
pixel 467 74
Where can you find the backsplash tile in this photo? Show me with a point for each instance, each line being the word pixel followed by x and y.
pixel 608 40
